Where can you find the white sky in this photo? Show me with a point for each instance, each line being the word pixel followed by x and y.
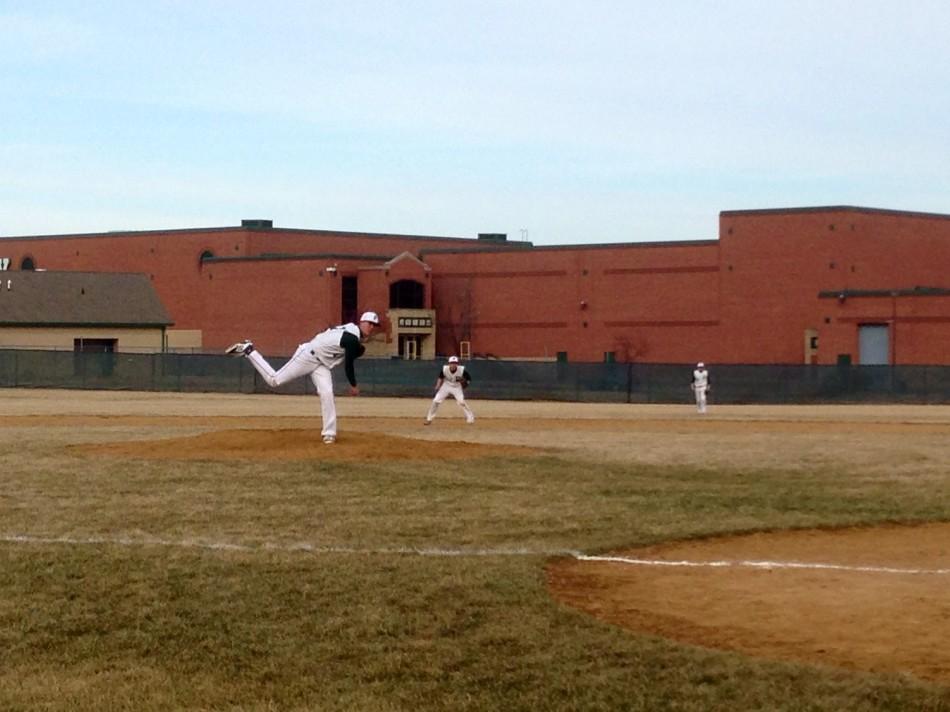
pixel 577 121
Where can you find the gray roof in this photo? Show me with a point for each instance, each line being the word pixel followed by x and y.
pixel 244 228
pixel 79 299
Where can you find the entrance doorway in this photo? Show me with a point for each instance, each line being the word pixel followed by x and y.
pixel 349 299
pixel 410 346
pixel 100 360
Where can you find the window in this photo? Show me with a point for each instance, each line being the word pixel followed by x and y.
pixel 94 346
pixel 407 294
pixel 415 322
pixel 27 264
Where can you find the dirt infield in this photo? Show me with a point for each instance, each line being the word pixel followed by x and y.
pixel 886 608
pixel 864 599
pixel 885 442
pixel 295 444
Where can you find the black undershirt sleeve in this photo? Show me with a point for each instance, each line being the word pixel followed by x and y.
pixel 466 377
pixel 353 350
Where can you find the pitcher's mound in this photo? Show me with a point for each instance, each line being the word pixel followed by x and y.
pixel 297 444
pixel 870 599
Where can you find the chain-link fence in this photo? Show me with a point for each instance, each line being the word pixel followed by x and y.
pixel 506 380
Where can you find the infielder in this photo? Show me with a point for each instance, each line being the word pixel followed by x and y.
pixel 700 386
pixel 317 357
pixel 453 379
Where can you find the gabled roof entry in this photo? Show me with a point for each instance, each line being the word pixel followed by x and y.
pixel 406 256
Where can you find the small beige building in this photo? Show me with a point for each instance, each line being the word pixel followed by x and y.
pixel 81 311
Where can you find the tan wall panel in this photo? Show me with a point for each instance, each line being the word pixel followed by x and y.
pixel 135 340
pixel 183 339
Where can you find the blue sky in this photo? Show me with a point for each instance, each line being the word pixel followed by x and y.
pixel 577 122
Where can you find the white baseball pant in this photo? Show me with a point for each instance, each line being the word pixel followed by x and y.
pixel 302 363
pixel 456 391
pixel 700 398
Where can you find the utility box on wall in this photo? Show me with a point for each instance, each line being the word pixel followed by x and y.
pixel 811 346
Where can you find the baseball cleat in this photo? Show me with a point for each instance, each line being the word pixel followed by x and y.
pixel 427 422
pixel 328 439
pixel 241 348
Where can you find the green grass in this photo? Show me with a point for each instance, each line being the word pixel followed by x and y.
pixel 164 627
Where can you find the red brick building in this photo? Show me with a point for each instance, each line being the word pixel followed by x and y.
pixel 802 285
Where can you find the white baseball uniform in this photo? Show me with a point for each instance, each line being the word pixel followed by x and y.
pixel 700 386
pixel 317 357
pixel 451 386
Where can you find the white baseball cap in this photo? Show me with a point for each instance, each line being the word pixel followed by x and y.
pixel 371 317
pixel 700 365
pixel 453 359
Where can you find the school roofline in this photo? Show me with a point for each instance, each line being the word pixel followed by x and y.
pixel 838 209
pixel 237 228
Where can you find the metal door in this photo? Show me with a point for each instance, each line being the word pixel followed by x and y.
pixel 874 346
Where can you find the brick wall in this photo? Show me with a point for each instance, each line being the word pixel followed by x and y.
pixel 748 297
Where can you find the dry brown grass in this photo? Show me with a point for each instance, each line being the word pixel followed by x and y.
pixel 127 604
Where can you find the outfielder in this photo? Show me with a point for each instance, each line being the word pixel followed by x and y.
pixel 453 379
pixel 316 358
pixel 700 386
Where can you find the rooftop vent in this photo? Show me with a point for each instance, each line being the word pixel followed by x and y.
pixel 493 236
pixel 257 224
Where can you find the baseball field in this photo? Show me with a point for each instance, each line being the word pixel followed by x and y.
pixel 207 552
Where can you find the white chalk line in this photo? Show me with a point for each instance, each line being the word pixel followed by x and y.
pixel 305 547
pixel 761 565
